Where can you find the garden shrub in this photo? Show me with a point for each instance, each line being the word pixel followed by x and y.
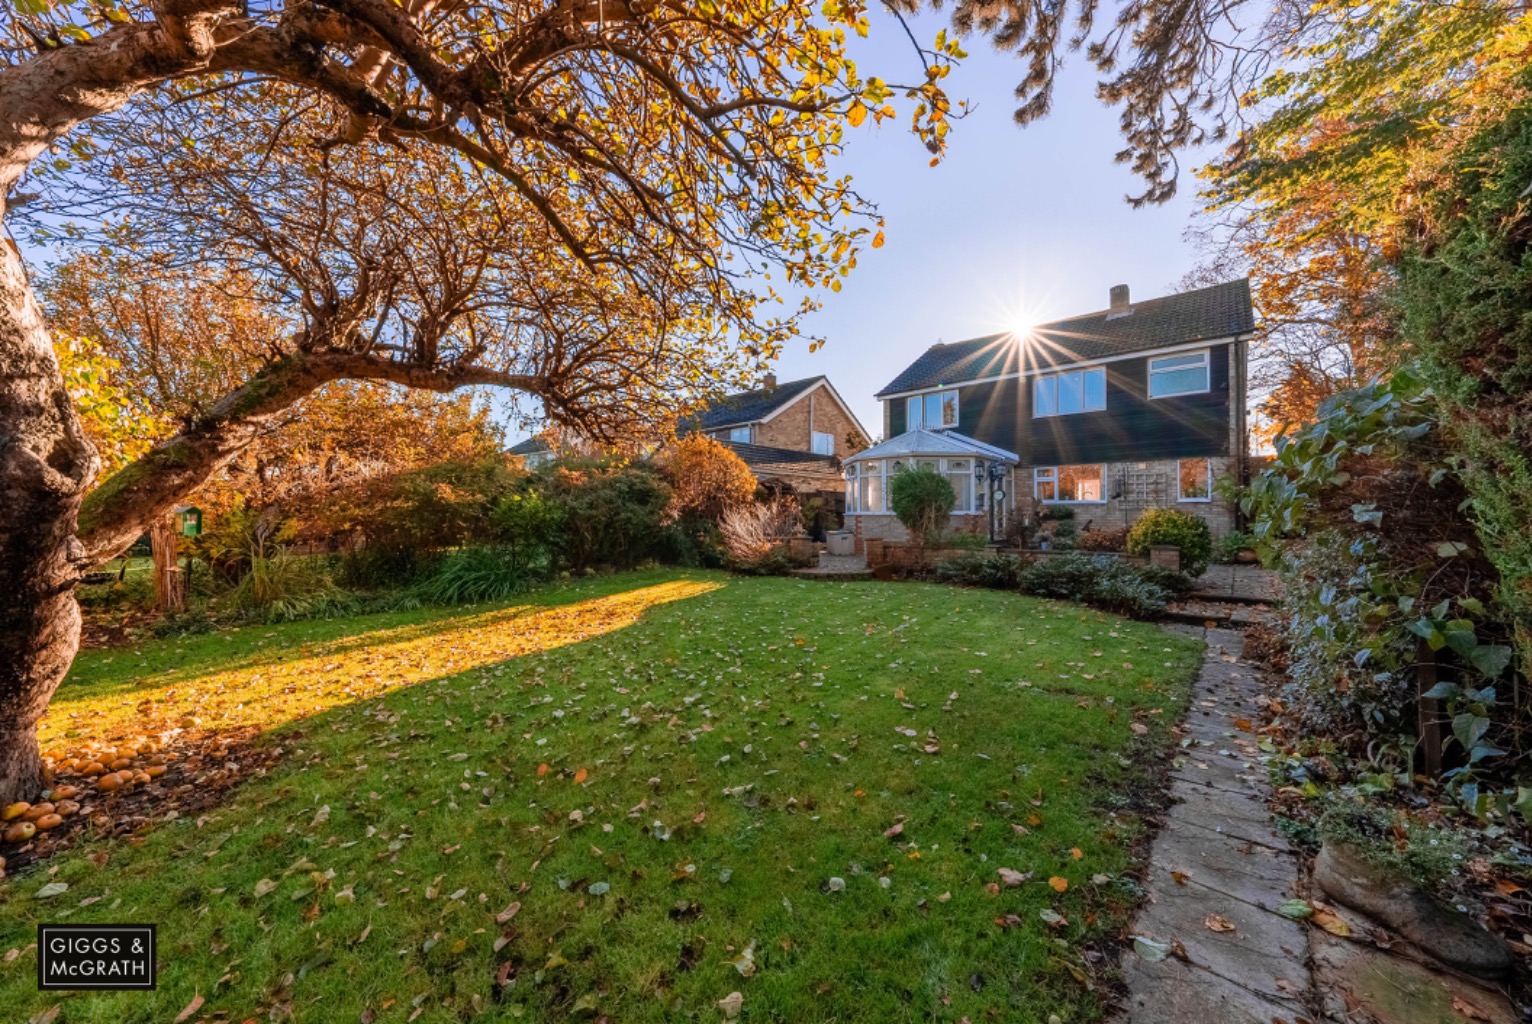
pixel 481 573
pixel 1111 584
pixel 1362 512
pixel 1226 549
pixel 923 500
pixel 1104 540
pixel 613 514
pixel 1172 526
pixel 706 478
pixel 980 569
pixel 530 527
pixel 1464 298
pixel 755 537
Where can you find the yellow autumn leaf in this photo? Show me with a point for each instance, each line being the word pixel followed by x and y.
pixel 1059 884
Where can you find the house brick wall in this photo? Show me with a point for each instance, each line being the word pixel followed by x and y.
pixel 791 428
pixel 1137 486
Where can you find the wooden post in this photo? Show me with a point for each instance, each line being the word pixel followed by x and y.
pixel 1428 710
pixel 169 584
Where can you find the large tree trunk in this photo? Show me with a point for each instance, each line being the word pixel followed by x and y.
pixel 46 464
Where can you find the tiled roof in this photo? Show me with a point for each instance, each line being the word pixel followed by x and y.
pixel 919 442
pixel 531 446
pixel 1219 311
pixel 751 406
pixel 762 455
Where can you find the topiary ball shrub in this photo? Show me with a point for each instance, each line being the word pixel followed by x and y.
pixel 1181 529
pixel 923 500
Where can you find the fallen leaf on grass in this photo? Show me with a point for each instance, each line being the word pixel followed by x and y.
pixel 1059 884
pixel 894 830
pixel 1052 918
pixel 1217 923
pixel 509 912
pixel 581 776
pixel 191 1008
pixel 1139 728
pixel 731 1004
pixel 1012 877
pixel 52 889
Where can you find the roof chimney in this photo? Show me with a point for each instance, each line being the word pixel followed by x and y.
pixel 1120 304
pixel 771 382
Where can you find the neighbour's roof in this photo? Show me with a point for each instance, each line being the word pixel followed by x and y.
pixel 531 446
pixel 754 455
pixel 1219 311
pixel 751 406
pixel 928 443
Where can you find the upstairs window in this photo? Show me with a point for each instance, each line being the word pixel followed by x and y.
pixel 935 411
pixel 740 434
pixel 1064 394
pixel 1179 375
pixel 823 444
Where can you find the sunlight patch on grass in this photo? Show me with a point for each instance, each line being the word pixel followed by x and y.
pixel 317 677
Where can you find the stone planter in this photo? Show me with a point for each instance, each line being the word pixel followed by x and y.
pixel 1347 877
pixel 1166 556
pixel 840 542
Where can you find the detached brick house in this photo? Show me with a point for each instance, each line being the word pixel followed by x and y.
pixel 793 434
pixel 1136 406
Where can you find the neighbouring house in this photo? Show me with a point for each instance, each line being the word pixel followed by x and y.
pixel 1136 406
pixel 533 452
pixel 792 435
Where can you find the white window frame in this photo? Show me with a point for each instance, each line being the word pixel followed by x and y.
pixel 1052 380
pixel 917 402
pixel 1050 474
pixel 1181 498
pixel 735 432
pixel 829 442
pixel 1206 367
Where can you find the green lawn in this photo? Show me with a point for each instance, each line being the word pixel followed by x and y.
pixel 716 751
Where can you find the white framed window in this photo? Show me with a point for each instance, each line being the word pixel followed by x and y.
pixel 822 443
pixel 1064 394
pixel 1196 477
pixel 1070 484
pixel 959 473
pixel 1188 374
pixel 935 411
pixel 740 434
pixel 865 491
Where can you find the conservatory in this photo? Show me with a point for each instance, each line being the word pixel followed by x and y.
pixel 980 475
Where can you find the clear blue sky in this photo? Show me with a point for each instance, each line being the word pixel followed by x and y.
pixel 1013 221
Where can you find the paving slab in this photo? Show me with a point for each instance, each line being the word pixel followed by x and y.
pixel 1182 994
pixel 1244 872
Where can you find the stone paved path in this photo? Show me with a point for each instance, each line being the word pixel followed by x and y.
pixel 1217 874
pixel 1244 583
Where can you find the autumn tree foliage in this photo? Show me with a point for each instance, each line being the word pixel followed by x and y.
pixel 1311 199
pixel 706 478
pixel 577 201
